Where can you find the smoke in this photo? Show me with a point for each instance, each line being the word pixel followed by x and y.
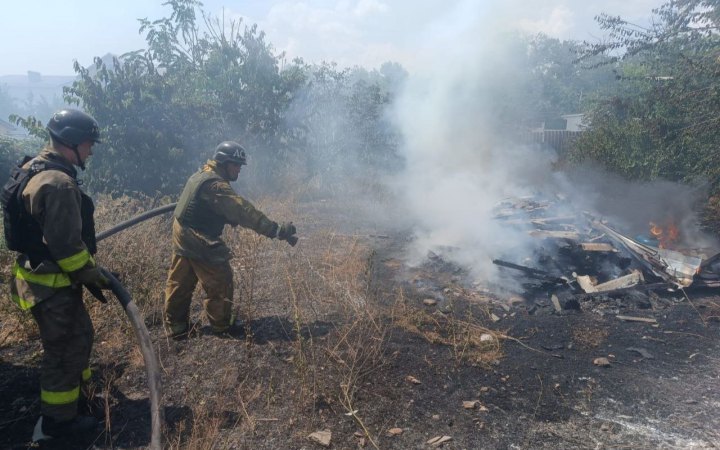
pixel 460 161
pixel 456 114
pixel 631 207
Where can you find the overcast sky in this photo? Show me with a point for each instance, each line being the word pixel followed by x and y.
pixel 47 36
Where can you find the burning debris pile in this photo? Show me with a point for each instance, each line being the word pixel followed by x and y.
pixel 581 256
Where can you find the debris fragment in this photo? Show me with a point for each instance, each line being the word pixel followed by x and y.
pixel 667 264
pixel 429 302
pixel 556 303
pixel 412 379
pixel 474 404
pixel 395 431
pixel 321 437
pixel 437 441
pixel 598 247
pixel 636 319
pixel 586 283
pixel 602 362
pixel 629 280
pixel 487 337
pixel 570 235
pixel 530 272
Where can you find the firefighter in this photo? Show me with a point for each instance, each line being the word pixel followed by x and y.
pixel 49 222
pixel 206 205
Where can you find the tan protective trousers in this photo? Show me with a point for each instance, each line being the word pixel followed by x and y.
pixel 217 282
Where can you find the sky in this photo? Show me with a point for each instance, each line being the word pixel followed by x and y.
pixel 47 36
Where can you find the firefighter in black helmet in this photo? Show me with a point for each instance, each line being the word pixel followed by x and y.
pixel 206 205
pixel 49 222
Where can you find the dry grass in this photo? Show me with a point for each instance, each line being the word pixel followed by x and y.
pixel 323 281
pixel 468 340
pixel 319 295
pixel 588 337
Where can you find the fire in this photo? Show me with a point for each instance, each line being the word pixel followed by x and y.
pixel 666 235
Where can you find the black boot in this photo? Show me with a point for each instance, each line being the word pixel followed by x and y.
pixel 48 428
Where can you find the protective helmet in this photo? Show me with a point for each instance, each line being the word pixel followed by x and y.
pixel 72 127
pixel 230 151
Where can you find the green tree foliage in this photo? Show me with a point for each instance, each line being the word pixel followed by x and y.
pixel 662 119
pixel 12 150
pixel 561 85
pixel 165 108
pixel 201 81
pixel 339 118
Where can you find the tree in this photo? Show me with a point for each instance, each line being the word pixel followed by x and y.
pixel 165 108
pixel 200 81
pixel 663 118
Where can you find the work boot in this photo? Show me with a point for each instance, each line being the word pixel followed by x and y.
pixel 48 428
pixel 91 406
pixel 182 334
pixel 234 331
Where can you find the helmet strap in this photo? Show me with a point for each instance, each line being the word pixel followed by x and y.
pixel 80 163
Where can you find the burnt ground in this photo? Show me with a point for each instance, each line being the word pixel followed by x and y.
pixel 533 376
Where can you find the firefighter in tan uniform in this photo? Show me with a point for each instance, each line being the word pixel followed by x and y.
pixel 206 205
pixel 54 233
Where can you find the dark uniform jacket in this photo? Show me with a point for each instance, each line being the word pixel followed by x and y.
pixel 54 200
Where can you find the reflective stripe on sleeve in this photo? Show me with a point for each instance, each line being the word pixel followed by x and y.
pixel 75 262
pixel 86 374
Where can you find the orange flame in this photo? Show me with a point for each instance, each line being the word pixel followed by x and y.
pixel 666 235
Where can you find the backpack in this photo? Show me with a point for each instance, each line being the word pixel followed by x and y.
pixel 22 232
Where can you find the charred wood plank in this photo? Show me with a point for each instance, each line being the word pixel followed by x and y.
pixel 625 281
pixel 640 288
pixel 636 319
pixel 530 272
pixel 551 234
pixel 598 247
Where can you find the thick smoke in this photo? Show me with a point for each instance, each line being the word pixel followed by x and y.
pixel 455 117
pixel 460 162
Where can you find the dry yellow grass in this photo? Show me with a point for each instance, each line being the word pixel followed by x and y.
pixel 324 283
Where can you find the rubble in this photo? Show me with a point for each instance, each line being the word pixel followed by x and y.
pixel 579 257
pixel 438 441
pixel 321 437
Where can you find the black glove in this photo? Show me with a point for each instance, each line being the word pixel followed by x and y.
pixel 286 232
pixel 96 292
pixel 92 278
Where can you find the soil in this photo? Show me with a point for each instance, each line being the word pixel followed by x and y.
pixel 534 385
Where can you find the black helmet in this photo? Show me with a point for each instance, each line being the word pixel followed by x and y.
pixel 230 151
pixel 72 127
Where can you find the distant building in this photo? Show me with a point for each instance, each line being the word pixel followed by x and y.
pixel 36 86
pixel 574 122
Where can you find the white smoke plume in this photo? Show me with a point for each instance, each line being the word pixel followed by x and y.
pixel 460 162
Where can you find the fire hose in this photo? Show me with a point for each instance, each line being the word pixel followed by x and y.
pixel 134 221
pixel 152 364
